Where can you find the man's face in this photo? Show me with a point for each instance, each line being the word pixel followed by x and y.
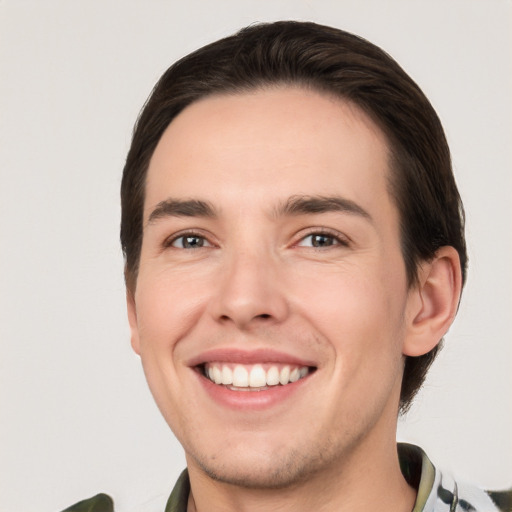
pixel 271 253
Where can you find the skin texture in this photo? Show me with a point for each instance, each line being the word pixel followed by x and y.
pixel 254 280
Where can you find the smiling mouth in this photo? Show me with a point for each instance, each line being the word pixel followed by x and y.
pixel 257 377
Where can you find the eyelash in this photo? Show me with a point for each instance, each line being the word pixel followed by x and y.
pixel 189 234
pixel 336 238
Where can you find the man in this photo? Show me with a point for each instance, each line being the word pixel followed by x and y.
pixel 294 244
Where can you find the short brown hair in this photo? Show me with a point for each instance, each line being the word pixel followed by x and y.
pixel 341 64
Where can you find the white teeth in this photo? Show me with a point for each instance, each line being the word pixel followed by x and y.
pixel 253 376
pixel 240 377
pixel 227 375
pixel 273 376
pixel 284 375
pixel 217 375
pixel 294 375
pixel 257 377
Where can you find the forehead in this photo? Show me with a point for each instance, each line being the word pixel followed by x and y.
pixel 269 144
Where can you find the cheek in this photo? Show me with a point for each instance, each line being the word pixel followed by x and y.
pixel 358 311
pixel 166 308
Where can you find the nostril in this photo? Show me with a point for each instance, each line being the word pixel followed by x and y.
pixel 264 315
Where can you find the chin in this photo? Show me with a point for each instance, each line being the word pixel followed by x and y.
pixel 274 471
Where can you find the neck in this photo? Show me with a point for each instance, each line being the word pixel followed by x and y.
pixel 369 478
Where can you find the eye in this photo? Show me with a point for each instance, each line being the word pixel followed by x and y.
pixel 189 241
pixel 320 240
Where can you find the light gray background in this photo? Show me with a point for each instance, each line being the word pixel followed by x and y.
pixel 75 415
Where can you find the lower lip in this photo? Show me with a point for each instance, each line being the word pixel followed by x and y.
pixel 250 400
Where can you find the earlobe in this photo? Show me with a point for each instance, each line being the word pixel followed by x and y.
pixel 433 302
pixel 132 320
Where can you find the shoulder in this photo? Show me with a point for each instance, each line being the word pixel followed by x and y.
pixel 503 499
pixel 177 501
pixel 471 498
pixel 438 491
pixel 98 503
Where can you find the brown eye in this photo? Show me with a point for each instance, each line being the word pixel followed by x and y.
pixel 322 240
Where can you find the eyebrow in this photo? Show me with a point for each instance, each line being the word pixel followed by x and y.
pixel 293 206
pixel 302 205
pixel 182 208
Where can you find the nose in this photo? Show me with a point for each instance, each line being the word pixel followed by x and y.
pixel 250 291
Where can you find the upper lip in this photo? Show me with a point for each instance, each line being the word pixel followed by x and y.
pixel 262 355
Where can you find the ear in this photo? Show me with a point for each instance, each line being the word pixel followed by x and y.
pixel 433 302
pixel 132 320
